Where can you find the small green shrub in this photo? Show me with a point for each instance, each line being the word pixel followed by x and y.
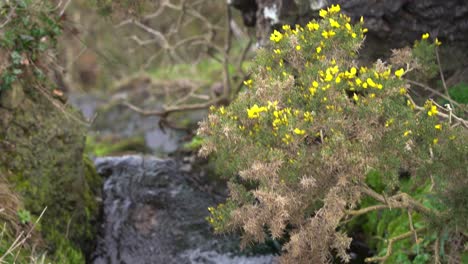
pixel 31 29
pixel 317 141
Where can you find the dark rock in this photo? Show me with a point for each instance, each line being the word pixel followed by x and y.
pixel 397 21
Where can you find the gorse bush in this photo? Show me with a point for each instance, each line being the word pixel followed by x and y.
pixel 317 141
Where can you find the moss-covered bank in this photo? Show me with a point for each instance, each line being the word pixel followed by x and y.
pixel 41 151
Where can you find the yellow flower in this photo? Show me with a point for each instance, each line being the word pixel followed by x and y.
pixel 432 111
pixel 438 127
pixel 425 36
pixel 315 84
pixel 298 131
pixel 222 110
pixel 371 82
pixel 435 141
pixel 328 34
pixel 361 20
pixel 334 9
pixel 313 26
pixel 277 51
pixel 389 122
pixel 348 26
pixel 319 49
pixel 437 42
pixel 338 79
pixel 298 47
pixel 399 72
pixel 355 97
pixel 323 13
pixel 254 111
pixel 286 27
pixel 407 133
pixel 276 36
pixel 248 83
pixel 333 23
pixel 402 91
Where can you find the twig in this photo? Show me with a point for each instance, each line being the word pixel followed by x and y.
pixel 442 77
pixel 400 200
pixel 437 250
pixel 449 117
pixel 19 241
pixel 369 209
pixel 434 91
pixel 390 245
pixel 410 218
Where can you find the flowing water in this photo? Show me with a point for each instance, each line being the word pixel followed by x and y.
pixel 154 214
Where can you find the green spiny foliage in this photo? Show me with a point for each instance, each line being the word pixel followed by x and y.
pixel 315 136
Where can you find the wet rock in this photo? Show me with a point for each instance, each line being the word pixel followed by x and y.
pixel 153 214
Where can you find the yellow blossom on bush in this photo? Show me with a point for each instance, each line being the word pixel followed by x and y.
pixel 399 72
pixel 298 131
pixel 333 23
pixel 254 111
pixel 276 36
pixel 248 83
pixel 323 13
pixel 432 111
pixel 313 26
pixel 425 36
pixel 328 34
pixel 438 127
pixel 334 9
pixel 437 42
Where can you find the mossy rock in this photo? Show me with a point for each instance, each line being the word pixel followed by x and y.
pixel 42 148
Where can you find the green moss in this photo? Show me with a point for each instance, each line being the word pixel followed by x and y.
pixel 48 170
pixel 111 146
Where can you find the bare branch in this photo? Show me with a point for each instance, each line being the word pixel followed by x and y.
pixel 390 246
pixel 433 91
pixel 442 77
pixel 445 116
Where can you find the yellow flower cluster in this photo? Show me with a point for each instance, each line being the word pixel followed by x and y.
pixel 432 109
pixel 276 36
pixel 254 111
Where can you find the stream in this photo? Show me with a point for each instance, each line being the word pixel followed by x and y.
pixel 154 209
pixel 154 214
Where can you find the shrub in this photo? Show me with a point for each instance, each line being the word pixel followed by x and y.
pixel 317 140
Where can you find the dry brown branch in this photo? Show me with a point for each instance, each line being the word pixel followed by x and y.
pixel 445 116
pixel 442 77
pixel 400 200
pixel 390 246
pixel 434 91
pixel 410 218
pixel 172 43
pixel 437 251
pixel 369 209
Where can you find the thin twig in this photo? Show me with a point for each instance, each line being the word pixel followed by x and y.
pixel 445 116
pixel 410 218
pixel 442 77
pixel 390 246
pixel 433 91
